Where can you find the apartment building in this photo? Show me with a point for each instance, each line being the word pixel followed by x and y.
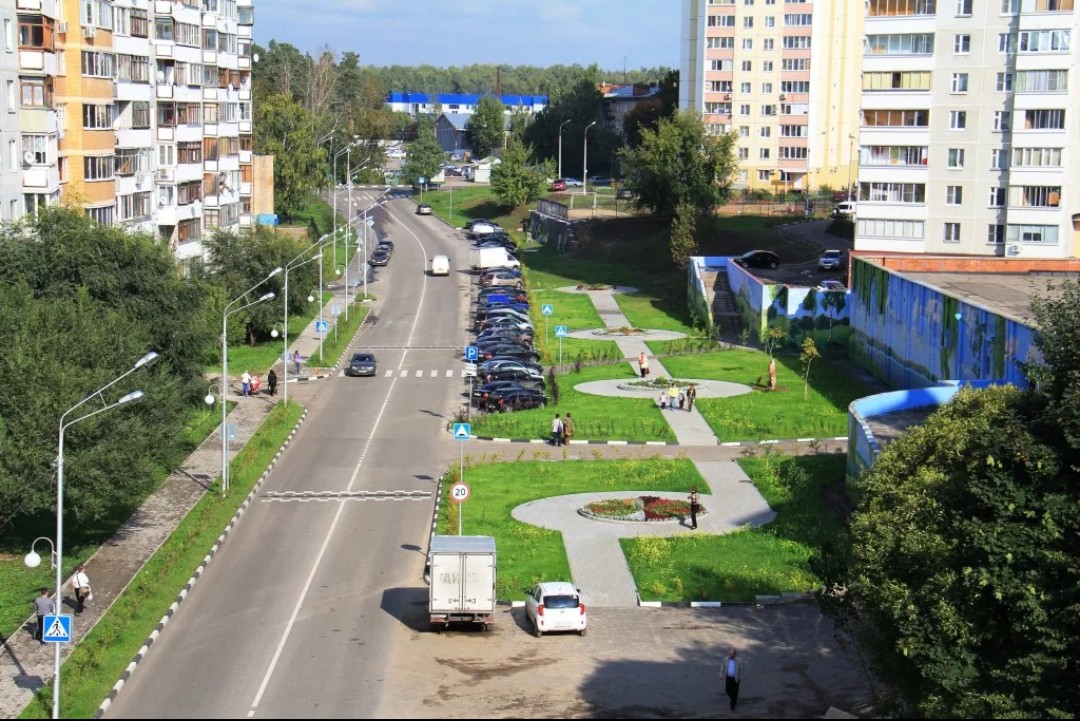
pixel 34 158
pixel 969 129
pixel 785 76
pixel 10 136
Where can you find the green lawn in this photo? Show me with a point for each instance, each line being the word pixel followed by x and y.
pixel 339 337
pixel 782 414
pixel 476 201
pixel 576 312
pixel 645 311
pixel 595 417
pixel 528 554
pixel 768 559
pixel 316 215
pixel 101 657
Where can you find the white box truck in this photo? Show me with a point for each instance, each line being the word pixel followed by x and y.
pixel 484 258
pixel 461 578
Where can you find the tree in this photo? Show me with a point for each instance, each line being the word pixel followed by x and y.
pixel 683 228
pixel 284 129
pixel 485 126
pixel 771 338
pixel 573 109
pixel 647 115
pixel 516 180
pixel 425 156
pixel 809 355
pixel 678 163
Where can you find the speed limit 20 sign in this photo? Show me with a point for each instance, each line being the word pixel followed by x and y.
pixel 459 493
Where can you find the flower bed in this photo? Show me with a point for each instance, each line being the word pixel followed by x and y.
pixel 662 383
pixel 624 330
pixel 642 508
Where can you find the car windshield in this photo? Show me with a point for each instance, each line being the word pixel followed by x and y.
pixel 363 358
pixel 831 254
pixel 560 601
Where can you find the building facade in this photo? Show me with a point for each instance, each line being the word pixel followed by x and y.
pixel 785 76
pixel 10 136
pixel 970 129
pixel 40 58
pixel 415 104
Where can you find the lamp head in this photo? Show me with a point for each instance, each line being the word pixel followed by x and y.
pixel 274 333
pixel 209 399
pixel 148 359
pixel 310 299
pixel 267 296
pixel 275 271
pixel 32 559
pixel 130 397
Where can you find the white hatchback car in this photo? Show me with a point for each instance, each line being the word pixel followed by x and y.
pixel 556 607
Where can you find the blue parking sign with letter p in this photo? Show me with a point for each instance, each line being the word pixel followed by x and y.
pixel 471 353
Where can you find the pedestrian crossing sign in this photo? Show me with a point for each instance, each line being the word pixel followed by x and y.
pixel 462 431
pixel 560 331
pixel 547 309
pixel 57 628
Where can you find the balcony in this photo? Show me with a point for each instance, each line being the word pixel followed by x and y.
pixel 245 157
pixel 165 175
pixel 37 60
pixel 165 91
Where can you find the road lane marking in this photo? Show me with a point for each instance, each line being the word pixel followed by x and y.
pixel 449 374
pixel 419 374
pixel 388 374
pixel 403 374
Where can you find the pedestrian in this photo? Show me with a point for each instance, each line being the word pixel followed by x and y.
pixel 643 364
pixel 732 675
pixel 691 396
pixel 673 395
pixel 663 400
pixel 83 592
pixel 271 382
pixel 556 431
pixel 568 428
pixel 694 507
pixel 245 383
pixel 682 400
pixel 296 360
pixel 43 606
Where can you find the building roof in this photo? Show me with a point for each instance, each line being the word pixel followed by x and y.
pixel 464 99
pixel 457 120
pixel 627 92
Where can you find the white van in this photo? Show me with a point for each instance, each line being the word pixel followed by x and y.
pixel 440 265
pixel 845 208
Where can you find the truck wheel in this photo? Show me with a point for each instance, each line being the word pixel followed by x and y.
pixel 582 631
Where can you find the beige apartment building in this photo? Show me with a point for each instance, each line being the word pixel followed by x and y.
pixel 783 74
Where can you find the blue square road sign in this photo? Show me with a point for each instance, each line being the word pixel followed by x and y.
pixel 560 331
pixel 547 309
pixel 471 353
pixel 57 628
pixel 462 431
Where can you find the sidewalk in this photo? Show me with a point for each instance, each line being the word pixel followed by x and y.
pixel 25 665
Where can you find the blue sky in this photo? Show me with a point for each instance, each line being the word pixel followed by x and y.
pixel 460 32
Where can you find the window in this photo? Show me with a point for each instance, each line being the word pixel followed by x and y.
pixel 744 109
pixel 767 66
pixel 963 7
pixel 768 110
pixel 995 234
pixel 887 228
pixel 718 108
pixel 954 195
pixel 744 153
pixel 997 198
pixel 956 158
pixel 765 131
pixel 1034 196
pixel 721 21
pixel 794 108
pixel 96 13
pixel 1047 234
pixel 188 230
pixel 727 43
pixel 895 193
pixel 871 155
pixel 98 167
pixel 764 175
pixel 13 154
pixel 133 160
pixel 961 44
pixel 722 65
pixel 188 193
pixel 795 86
pixel 763 153
pixel 768 44
pixel 210 149
pixel 133 68
pixel 798 20
pixel 796 42
pixel 748 22
pixel 189 152
pixel 959 82
pixel 1007 43
pixel 744 175
pixel 187 34
pixel 140 114
pixel 35 31
pixel 896 118
pixel 770 21
pixel 1013 7
pixel 102 215
pixel 131 207
pixel 1036 157
pixel 210 218
pixel 35 92
pixel 952 233
pixel 1002 121
pixel 36 145
pixel 794 131
pixel 892 8
pixel 718 86
pixel 918 80
pixel 140 27
pixel 999 159
pixel 747 66
pixel 795 64
pixel 1004 82
pixel 957 119
pixel 906 44
pixel 98 65
pixel 1044 119
pixel 98 117
pixel 9 35
pixel 788 153
pixel 187 114
pixel 767 88
pixel 163 29
pixel 166 114
pixel 166 195
pixel 744 87
pixel 744 131
pixel 1042 41
pixel 1042 81
pixel 167 154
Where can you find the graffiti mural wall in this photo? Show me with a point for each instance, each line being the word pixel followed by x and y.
pixel 802 311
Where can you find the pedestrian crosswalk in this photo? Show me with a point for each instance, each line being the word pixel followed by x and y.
pixel 420 373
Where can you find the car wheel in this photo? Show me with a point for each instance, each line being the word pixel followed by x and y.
pixel 582 631
pixel 773 265
pixel 536 630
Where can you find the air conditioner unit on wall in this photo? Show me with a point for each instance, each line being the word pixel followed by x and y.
pixel 1013 249
pixel 88 32
pixel 62 27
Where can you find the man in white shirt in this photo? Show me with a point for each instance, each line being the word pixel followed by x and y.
pixel 245 383
pixel 556 431
pixel 732 675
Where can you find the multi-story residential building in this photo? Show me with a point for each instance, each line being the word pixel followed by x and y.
pixel 35 157
pixel 415 104
pixel 784 75
pixel 620 101
pixel 10 137
pixel 969 129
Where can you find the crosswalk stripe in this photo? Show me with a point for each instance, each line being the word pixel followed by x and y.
pixel 404 374
pixel 388 374
pixel 449 374
pixel 419 374
pixel 434 374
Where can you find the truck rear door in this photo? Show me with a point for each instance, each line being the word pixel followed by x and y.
pixel 445 582
pixel 479 586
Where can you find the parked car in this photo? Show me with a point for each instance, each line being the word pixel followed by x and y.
pixel 509 350
pixel 556 607
pixel 475 221
pixel 624 194
pixel 558 185
pixel 504 363
pixel 831 260
pixel 500 278
pixel 508 335
pixel 481 393
pixel 488 272
pixel 379 257
pixel 423 209
pixel 831 285
pixel 839 196
pixel 362 364
pixel 599 180
pixel 572 182
pixel 521 400
pixel 759 259
pixel 515 296
pixel 847 208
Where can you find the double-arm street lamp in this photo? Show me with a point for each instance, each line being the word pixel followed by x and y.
pixel 585 161
pixel 560 146
pixel 296 263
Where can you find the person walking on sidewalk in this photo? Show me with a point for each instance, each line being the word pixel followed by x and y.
pixel 245 383
pixel 732 675
pixel 43 606
pixel 662 400
pixel 556 431
pixel 297 359
pixel 567 428
pixel 682 400
pixel 691 396
pixel 83 592
pixel 694 507
pixel 643 364
pixel 271 382
pixel 673 395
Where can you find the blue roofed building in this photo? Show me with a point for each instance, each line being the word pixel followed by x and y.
pixel 459 103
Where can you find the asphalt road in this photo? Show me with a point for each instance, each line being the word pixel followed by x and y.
pixel 299 611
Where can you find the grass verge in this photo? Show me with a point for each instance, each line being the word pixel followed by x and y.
pixel 338 340
pixel 767 559
pixel 576 312
pixel 528 554
pixel 595 417
pixel 783 413
pixel 101 657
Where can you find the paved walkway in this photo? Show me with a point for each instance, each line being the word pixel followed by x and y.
pixel 597 563
pixel 25 665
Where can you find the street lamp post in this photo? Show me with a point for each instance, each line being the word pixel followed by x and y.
pixel 143 362
pixel 563 125
pixel 585 161
pixel 285 353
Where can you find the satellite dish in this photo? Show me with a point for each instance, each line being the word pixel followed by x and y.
pixel 161 76
pixel 29 158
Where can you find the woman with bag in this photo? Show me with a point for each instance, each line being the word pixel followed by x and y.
pixel 83 592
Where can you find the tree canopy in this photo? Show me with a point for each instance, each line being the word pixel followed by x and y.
pixel 573 111
pixel 425 156
pixel 485 127
pixel 517 180
pixel 286 132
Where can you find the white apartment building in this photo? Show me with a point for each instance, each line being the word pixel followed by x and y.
pixel 34 158
pixel 10 136
pixel 970 124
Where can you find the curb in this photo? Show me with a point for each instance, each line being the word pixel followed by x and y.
pixel 164 622
pixel 760 601
pixel 725 444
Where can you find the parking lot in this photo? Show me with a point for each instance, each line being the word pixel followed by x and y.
pixel 633 663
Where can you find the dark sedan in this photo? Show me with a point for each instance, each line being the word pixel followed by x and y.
pixel 759 259
pixel 482 393
pixel 362 364
pixel 379 257
pixel 387 245
pixel 517 401
pixel 509 350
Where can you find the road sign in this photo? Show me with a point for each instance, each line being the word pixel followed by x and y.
pixel 335 309
pixel 462 431
pixel 560 331
pixel 459 493
pixel 547 309
pixel 321 326
pixel 58 627
pixel 470 370
pixel 471 352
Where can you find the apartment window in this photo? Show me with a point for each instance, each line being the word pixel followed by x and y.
pixel 210 149
pixel 747 66
pixel 1036 157
pixel 245 142
pixel 133 68
pixel 896 118
pixel 1044 119
pixel 166 114
pixel 35 93
pixel 718 108
pixel 36 145
pixel 952 233
pixel 98 167
pixel 131 207
pixel 959 82
pixel 718 86
pixel 795 64
pixel 1004 82
pixel 765 131
pixel 722 65
pixel 957 119
pixel 98 117
pixel 744 153
pixel 12 103
pixel 955 158
pixel 748 44
pixel 96 13
pixel 187 34
pixel 961 44
pixel 1007 43
pixel 187 114
pixel 1002 121
pixel 999 159
pixel 787 153
pixel 744 131
pixel 166 195
pixel 727 43
pixel 140 114
pixel 102 214
pixel 744 87
pixel 13 154
pixel 1034 196
pixel 895 193
pixel 768 44
pixel 889 228
pixel 1013 7
pixel 767 66
pixel 795 86
pixel 748 22
pixel 62 169
pixel 1042 81
pixel 904 44
pixel 893 8
pixel 954 194
pixel 770 21
pixel 163 29
pixel 187 230
pixel 210 113
pixel 963 7
pixel 764 175
pixel 721 21
pixel 140 26
pixel 794 131
pixel 98 65
pixel 210 218
pixel 1047 234
pixel 189 152
pixel 35 31
pixel 9 35
pixel 768 110
pixel 744 109
pixel 997 197
pixel 794 108
pixel 167 155
pixel 796 42
pixel 767 88
pixel 995 234
pixel 744 175
pixel 1043 41
pixel 798 20
pixel 133 160
pixel 918 80
pixel 188 193
pixel 913 155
